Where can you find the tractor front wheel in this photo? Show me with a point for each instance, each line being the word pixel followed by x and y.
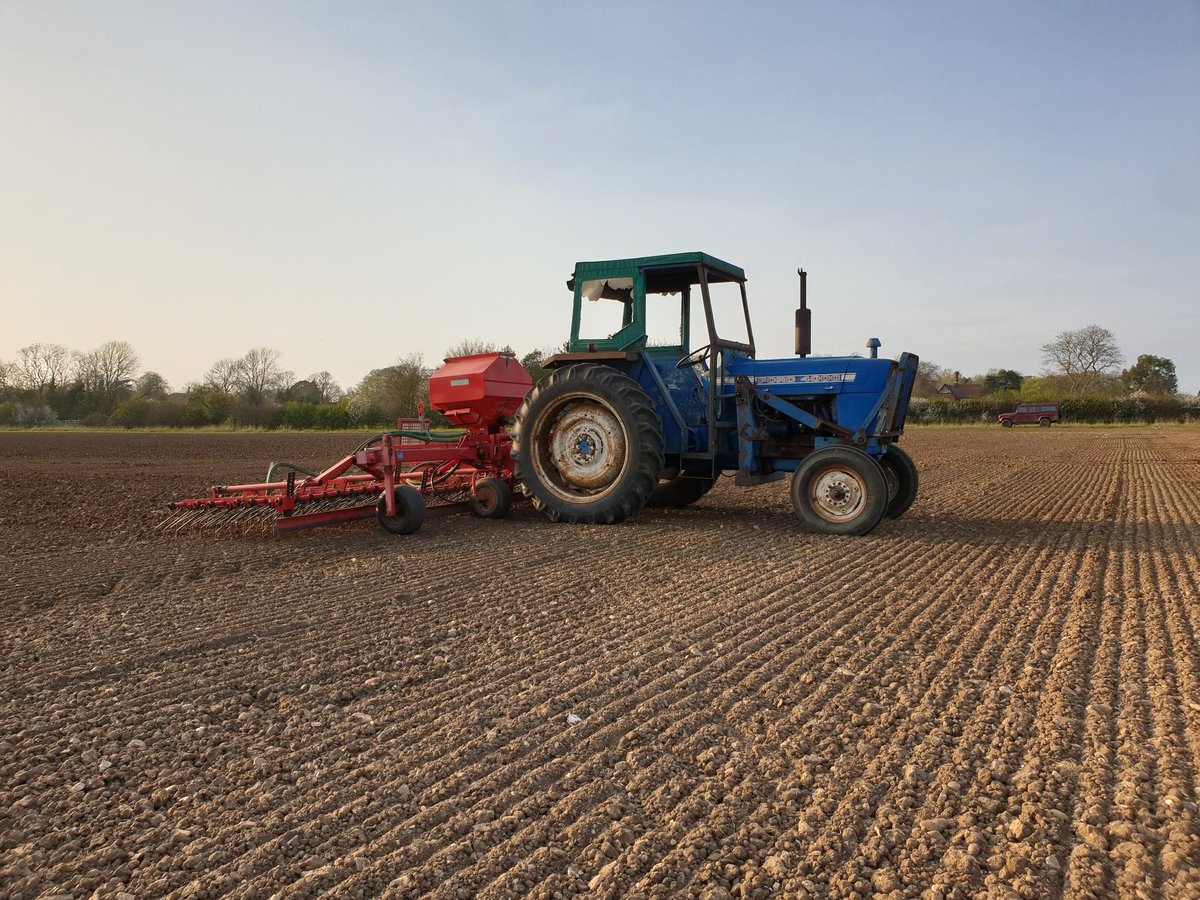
pixel 410 511
pixel 839 490
pixel 682 490
pixel 901 475
pixel 588 445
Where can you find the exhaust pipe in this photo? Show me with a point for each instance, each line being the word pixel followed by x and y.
pixel 803 319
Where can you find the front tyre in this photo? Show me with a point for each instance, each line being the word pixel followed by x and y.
pixel 588 445
pixel 839 490
pixel 900 472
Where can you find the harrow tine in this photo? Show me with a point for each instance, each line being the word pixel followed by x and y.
pixel 220 520
pixel 187 520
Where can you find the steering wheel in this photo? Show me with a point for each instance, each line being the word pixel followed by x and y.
pixel 698 357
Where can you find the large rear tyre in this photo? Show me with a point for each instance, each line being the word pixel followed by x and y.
pixel 492 500
pixel 839 490
pixel 410 511
pixel 679 491
pixel 587 445
pixel 900 472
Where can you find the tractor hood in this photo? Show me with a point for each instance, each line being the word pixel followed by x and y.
pixel 816 375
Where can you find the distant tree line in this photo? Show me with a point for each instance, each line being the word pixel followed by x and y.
pixel 49 384
pixel 1131 408
pixel 1081 369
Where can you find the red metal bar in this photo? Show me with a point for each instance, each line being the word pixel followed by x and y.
pixel 389 479
pixel 314 520
pixel 266 486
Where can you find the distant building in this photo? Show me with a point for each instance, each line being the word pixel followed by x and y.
pixel 960 391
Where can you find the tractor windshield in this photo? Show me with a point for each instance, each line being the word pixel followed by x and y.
pixel 729 318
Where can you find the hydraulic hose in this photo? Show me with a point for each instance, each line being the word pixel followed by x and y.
pixel 423 436
pixel 286 465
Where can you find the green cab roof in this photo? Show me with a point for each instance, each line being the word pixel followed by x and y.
pixel 723 271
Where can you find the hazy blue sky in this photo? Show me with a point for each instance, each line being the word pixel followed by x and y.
pixel 353 182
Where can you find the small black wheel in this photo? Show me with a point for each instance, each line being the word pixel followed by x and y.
pixel 410 511
pixel 1006 423
pixel 587 445
pixel 493 498
pixel 1044 422
pixel 682 490
pixel 901 475
pixel 839 490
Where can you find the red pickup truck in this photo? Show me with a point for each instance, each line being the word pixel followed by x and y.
pixel 1030 414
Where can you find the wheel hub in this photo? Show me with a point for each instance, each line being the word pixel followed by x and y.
pixel 838 495
pixel 587 446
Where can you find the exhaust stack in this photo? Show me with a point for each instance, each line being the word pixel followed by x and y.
pixel 803 319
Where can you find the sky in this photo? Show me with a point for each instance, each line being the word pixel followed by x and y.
pixel 351 183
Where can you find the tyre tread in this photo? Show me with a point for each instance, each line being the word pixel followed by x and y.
pixel 646 425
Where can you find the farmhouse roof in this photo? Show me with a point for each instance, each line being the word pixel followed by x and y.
pixel 961 391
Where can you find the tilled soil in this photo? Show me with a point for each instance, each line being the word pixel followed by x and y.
pixel 997 695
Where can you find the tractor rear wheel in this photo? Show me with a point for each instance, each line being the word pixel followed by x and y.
pixel 588 445
pixel 900 472
pixel 682 490
pixel 839 490
pixel 492 500
pixel 410 511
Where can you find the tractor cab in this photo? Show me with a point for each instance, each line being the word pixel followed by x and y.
pixel 639 314
pixel 646 305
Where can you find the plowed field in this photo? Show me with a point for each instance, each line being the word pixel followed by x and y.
pixel 997 695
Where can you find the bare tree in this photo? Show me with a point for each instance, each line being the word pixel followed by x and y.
pixel 330 390
pixel 223 376
pixel 42 366
pixel 8 375
pixel 107 368
pixel 1082 356
pixel 260 374
pixel 470 347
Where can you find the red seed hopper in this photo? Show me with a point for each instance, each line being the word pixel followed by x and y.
pixel 397 476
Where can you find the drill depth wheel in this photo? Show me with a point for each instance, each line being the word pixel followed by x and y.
pixel 410 511
pixel 493 499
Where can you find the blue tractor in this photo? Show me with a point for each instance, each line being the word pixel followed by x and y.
pixel 632 416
